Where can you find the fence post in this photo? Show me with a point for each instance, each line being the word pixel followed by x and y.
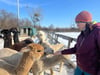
pixel 69 42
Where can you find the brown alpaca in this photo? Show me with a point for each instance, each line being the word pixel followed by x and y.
pixel 47 63
pixel 33 53
pixel 18 46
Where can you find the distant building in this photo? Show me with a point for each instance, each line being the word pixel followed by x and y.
pixel 28 30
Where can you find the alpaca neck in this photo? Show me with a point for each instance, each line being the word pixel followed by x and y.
pixel 52 61
pixel 25 64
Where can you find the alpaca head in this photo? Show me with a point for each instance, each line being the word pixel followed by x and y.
pixel 31 53
pixel 28 41
pixel 42 35
pixel 35 49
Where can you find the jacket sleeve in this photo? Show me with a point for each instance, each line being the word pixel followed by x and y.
pixel 98 40
pixel 69 51
pixel 98 45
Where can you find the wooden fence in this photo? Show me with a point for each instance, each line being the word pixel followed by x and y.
pixel 54 37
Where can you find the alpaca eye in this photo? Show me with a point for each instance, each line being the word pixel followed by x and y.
pixel 38 50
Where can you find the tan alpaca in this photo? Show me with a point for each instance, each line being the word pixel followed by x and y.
pixel 3 72
pixel 55 47
pixel 47 63
pixel 33 53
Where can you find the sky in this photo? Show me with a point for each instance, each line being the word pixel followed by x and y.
pixel 60 13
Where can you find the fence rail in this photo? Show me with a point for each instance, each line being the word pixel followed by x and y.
pixel 54 36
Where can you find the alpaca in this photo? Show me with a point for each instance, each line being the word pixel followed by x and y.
pixel 32 53
pixel 43 39
pixel 13 57
pixel 45 42
pixel 7 52
pixel 42 35
pixel 47 63
pixel 23 43
pixel 7 38
pixel 18 46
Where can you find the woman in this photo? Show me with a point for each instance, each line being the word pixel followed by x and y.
pixel 87 48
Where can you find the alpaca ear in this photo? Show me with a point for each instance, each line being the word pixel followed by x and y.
pixel 25 49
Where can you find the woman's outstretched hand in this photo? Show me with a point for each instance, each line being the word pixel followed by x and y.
pixel 57 53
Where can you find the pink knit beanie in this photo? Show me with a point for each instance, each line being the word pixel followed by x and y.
pixel 84 16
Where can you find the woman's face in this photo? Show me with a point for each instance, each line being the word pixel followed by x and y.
pixel 81 26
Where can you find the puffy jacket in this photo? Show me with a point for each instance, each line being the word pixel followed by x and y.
pixel 87 50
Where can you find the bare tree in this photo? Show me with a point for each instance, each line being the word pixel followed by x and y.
pixel 7 20
pixel 25 22
pixel 35 15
